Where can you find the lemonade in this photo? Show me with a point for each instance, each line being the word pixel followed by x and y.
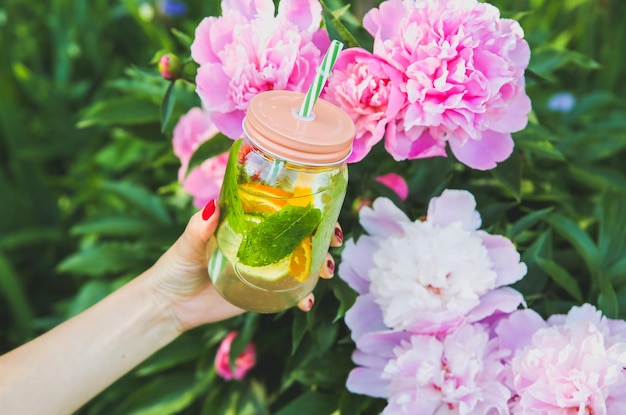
pixel 277 219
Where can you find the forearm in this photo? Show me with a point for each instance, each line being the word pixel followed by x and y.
pixel 66 367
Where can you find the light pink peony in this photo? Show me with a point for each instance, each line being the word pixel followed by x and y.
pixel 396 183
pixel 205 181
pixel 463 81
pixel 248 50
pixel 243 363
pixel 368 89
pixel 428 276
pixel 573 365
pixel 460 373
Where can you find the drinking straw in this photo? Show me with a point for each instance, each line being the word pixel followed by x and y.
pixel 323 73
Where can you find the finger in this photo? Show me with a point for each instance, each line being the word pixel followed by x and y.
pixel 337 239
pixel 199 230
pixel 306 304
pixel 328 267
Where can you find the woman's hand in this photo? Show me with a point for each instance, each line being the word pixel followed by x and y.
pixel 180 275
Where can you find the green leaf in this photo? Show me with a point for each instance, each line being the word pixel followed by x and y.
pixel 311 403
pixel 165 395
pixel 344 34
pixel 599 177
pixel 527 221
pixel 579 239
pixel 243 338
pixel 229 200
pixel 114 226
pixel 344 294
pixel 617 272
pixel 509 174
pixel 139 197
pixel 126 111
pixel 100 260
pixel 184 349
pixel 299 328
pixel 561 276
pixel 278 235
pixel 184 39
pixel 607 300
pixel 215 146
pixel 167 106
pixel 15 297
pixel 612 233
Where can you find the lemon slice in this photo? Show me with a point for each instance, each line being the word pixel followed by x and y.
pixel 272 272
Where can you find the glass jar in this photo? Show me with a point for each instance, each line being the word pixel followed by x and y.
pixel 283 189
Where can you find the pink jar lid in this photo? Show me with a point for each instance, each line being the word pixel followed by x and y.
pixel 272 122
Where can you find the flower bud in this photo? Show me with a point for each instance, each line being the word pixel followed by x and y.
pixel 170 67
pixel 244 362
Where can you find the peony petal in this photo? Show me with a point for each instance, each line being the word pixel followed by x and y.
pixel 251 9
pixel 383 219
pixel 367 382
pixel 516 331
pixel 505 258
pixel 382 343
pixel 212 86
pixel 483 154
pixel 306 15
pixel 500 300
pixel 230 123
pixel 396 183
pixel 356 261
pixel 364 316
pixel 454 206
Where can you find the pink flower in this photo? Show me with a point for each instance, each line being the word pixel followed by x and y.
pixel 573 365
pixel 368 90
pixel 459 373
pixel 249 50
pixel 243 363
pixel 428 276
pixel 463 78
pixel 205 181
pixel 396 183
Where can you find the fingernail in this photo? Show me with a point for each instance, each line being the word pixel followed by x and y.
pixel 330 265
pixel 208 210
pixel 310 303
pixel 337 237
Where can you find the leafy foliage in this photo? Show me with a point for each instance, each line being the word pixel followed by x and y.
pixel 90 198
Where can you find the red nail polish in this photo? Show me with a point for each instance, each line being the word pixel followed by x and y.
pixel 331 266
pixel 339 234
pixel 310 303
pixel 208 210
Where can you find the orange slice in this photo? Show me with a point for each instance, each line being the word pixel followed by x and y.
pixel 300 264
pixel 302 192
pixel 260 198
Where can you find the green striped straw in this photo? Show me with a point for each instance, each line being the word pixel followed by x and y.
pixel 323 73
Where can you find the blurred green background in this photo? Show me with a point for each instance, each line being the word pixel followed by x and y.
pixel 89 197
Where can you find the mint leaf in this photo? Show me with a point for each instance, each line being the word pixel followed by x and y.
pixel 229 201
pixel 278 235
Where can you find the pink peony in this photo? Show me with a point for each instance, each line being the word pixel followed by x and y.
pixel 243 363
pixel 573 365
pixel 249 50
pixel 205 181
pixel 428 276
pixel 396 183
pixel 368 90
pixel 462 81
pixel 459 373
